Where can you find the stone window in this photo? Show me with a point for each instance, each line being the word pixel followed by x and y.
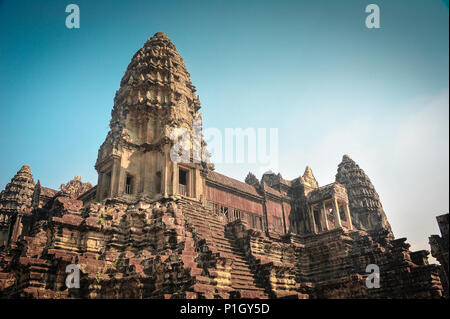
pixel 215 208
pixel 224 211
pixel 254 221
pixel 236 214
pixel 318 220
pixel 277 224
pixel 183 182
pixel 129 184
pixel 212 206
pixel 342 213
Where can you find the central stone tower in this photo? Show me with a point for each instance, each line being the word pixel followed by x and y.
pixel 156 98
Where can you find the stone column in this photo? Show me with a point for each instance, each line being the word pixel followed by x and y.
pixel 348 217
pixel 113 187
pixel 324 216
pixel 100 186
pixel 121 180
pixel 171 177
pixel 148 178
pixel 313 220
pixel 141 175
pixel 265 218
pixel 164 186
pixel 284 217
pixel 198 183
pixel 202 186
pixel 191 190
pixel 337 217
pixel 176 178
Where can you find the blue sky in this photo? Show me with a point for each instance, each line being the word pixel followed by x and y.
pixel 309 68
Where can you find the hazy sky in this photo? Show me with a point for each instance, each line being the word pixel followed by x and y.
pixel 309 68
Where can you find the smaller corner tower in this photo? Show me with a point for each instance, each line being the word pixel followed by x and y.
pixel 366 210
pixel 16 197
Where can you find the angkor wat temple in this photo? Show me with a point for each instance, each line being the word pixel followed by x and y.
pixel 156 228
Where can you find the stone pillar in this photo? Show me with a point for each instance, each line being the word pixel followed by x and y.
pixel 202 186
pixel 176 178
pixel 337 217
pixel 121 180
pixel 324 216
pixel 198 185
pixel 313 220
pixel 117 174
pixel 100 186
pixel 114 182
pixel 170 177
pixel 191 183
pixel 284 217
pixel 148 178
pixel 141 175
pixel 348 217
pixel 265 218
pixel 164 186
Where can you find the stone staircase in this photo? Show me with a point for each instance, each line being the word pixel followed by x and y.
pixel 241 276
pixel 211 228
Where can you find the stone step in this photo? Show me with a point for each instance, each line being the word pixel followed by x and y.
pixel 240 262
pixel 246 287
pixel 212 229
pixel 241 271
pixel 206 227
pixel 205 224
pixel 246 279
pixel 243 280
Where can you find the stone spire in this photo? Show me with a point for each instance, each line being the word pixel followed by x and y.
pixel 157 78
pixel 18 193
pixel 308 178
pixel 155 100
pixel 365 205
pixel 251 179
pixel 75 187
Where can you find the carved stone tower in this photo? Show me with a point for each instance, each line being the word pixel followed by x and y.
pixel 366 210
pixel 16 197
pixel 155 101
pixel 301 187
pixel 308 180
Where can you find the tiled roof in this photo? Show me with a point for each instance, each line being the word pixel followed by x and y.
pixel 231 182
pixel 272 191
pixel 49 192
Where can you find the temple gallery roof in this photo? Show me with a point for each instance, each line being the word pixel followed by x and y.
pixel 231 182
pixel 238 185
